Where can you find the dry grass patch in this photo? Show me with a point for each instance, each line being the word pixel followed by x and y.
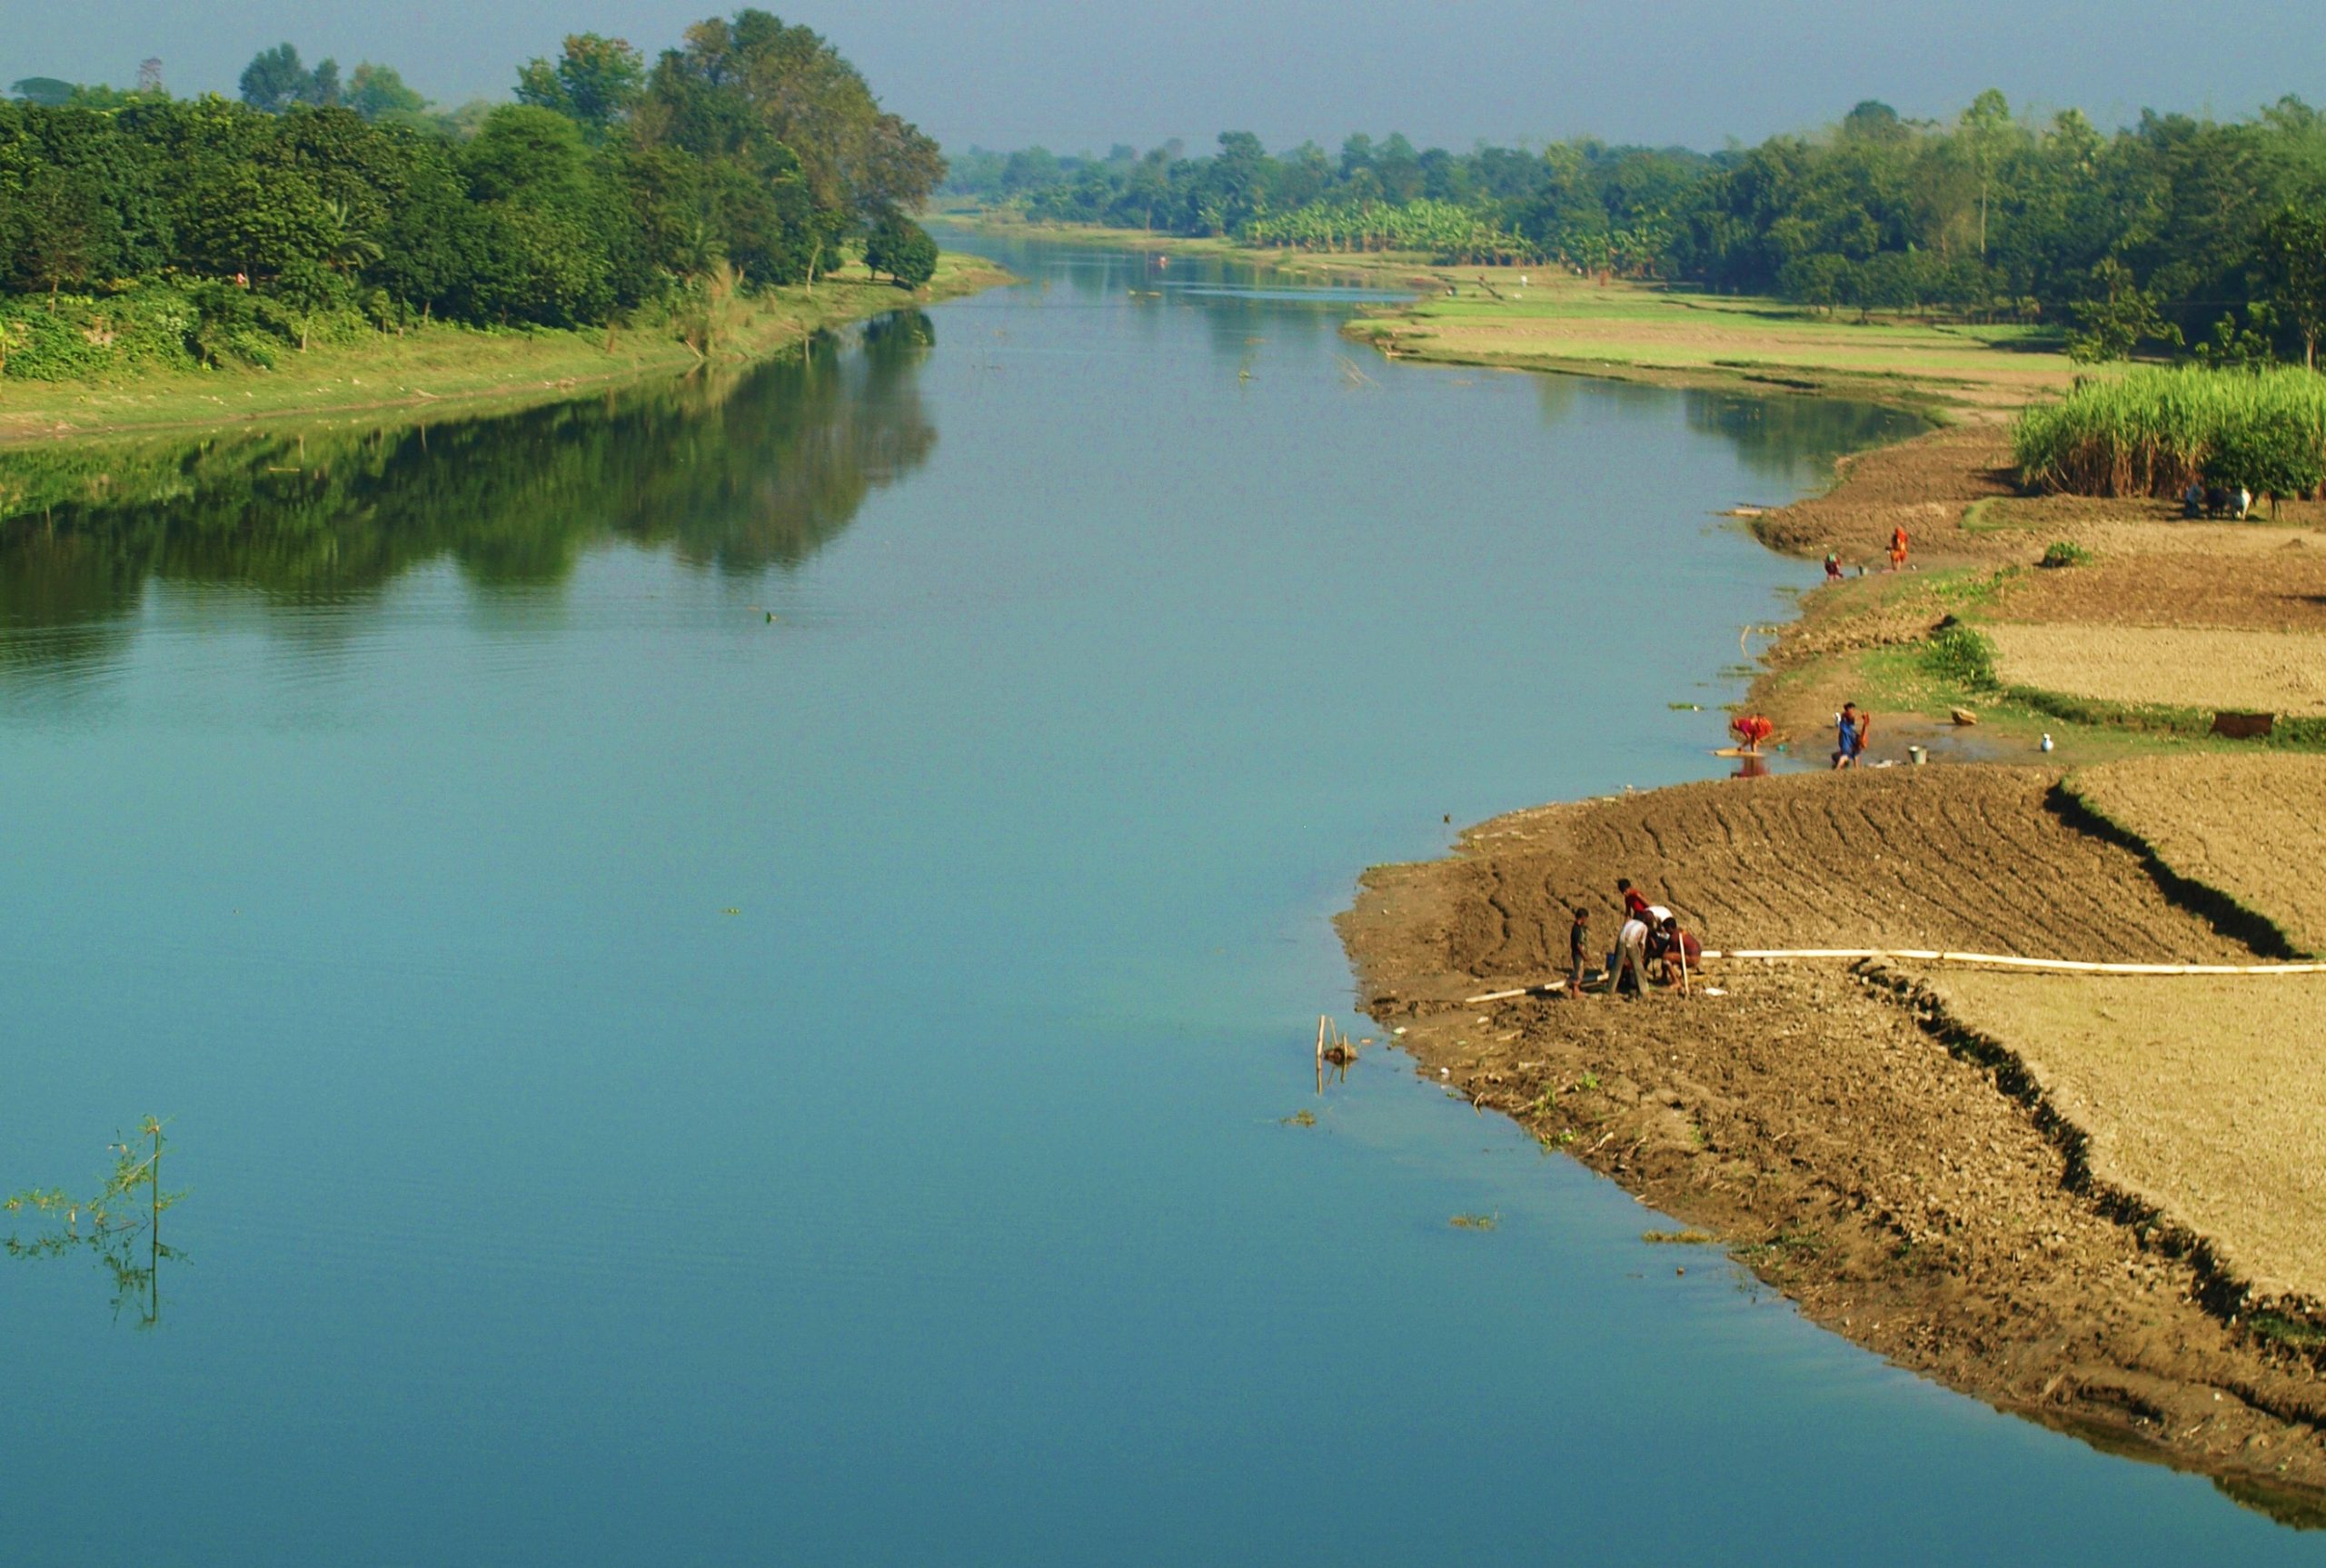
pixel 2199 1094
pixel 2252 827
pixel 2177 667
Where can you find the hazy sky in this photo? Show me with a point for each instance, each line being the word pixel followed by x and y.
pixel 1075 74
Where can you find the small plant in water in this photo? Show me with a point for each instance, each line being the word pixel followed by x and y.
pixel 125 1211
pixel 1298 1119
pixel 1474 1221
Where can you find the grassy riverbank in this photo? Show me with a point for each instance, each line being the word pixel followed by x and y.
pixel 1545 318
pixel 465 368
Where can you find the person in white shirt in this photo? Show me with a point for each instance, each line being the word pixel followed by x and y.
pixel 1631 953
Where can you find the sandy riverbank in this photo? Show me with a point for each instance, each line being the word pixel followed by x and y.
pixel 460 370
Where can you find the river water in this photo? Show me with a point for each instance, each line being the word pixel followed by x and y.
pixel 727 965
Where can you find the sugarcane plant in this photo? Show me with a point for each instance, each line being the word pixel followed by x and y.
pixel 121 1226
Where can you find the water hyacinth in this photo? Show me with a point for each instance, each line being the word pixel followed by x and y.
pixel 2152 432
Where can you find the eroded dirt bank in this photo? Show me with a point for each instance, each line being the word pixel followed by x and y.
pixel 1905 1181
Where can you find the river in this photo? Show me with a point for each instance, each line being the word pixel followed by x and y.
pixel 729 966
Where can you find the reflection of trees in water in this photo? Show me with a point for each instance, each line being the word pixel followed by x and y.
pixel 1774 436
pixel 738 474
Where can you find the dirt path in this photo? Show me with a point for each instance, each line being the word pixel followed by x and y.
pixel 1909 1186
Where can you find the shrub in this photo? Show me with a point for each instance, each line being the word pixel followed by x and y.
pixel 2063 552
pixel 1962 657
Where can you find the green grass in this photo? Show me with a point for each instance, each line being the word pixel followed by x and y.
pixel 2283 1330
pixel 1558 322
pixel 439 365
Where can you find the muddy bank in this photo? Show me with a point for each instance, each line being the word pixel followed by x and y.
pixel 1849 1142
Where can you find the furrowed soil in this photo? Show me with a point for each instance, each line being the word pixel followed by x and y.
pixel 1908 1181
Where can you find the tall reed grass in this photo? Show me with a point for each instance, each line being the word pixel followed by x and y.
pixel 2154 432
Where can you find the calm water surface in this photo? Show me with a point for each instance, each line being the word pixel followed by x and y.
pixel 661 1084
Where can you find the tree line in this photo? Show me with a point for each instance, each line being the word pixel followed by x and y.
pixel 2173 231
pixel 208 229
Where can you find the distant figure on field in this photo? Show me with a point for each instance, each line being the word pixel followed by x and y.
pixel 2192 499
pixel 1898 547
pixel 2216 500
pixel 1850 730
pixel 1833 566
pixel 2245 502
pixel 1579 940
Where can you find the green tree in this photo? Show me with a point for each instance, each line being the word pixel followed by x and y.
pixel 59 219
pixel 274 80
pixel 46 91
pixel 596 80
pixel 378 92
pixel 2290 254
pixel 902 249
pixel 2118 318
pixel 1988 132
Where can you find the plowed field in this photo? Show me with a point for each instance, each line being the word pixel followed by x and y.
pixel 1911 857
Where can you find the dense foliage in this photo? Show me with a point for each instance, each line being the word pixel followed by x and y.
pixel 2153 431
pixel 155 230
pixel 2172 230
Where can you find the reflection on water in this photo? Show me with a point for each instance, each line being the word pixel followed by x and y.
pixel 732 472
pixel 1773 435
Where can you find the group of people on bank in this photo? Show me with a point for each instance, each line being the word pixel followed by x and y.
pixel 2201 500
pixel 1651 949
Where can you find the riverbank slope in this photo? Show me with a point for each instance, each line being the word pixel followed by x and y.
pixel 464 369
pixel 1957 1170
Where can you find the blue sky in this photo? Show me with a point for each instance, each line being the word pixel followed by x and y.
pixel 1072 74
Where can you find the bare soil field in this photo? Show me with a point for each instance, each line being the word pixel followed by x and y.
pixel 1919 1197
pixel 2259 584
pixel 2199 1093
pixel 1926 484
pixel 2252 827
pixel 2176 666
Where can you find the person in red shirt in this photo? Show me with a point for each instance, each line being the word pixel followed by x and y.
pixel 1635 905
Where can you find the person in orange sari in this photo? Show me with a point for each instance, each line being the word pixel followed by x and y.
pixel 1898 547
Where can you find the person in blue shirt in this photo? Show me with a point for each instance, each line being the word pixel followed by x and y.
pixel 1850 727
